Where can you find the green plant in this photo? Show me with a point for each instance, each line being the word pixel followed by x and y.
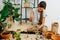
pixel 4 13
pixel 16 15
pixel 8 10
pixel 16 34
pixel 2 24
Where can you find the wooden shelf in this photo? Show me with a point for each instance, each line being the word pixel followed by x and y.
pixel 35 2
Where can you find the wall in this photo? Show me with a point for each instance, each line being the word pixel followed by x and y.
pixel 1 4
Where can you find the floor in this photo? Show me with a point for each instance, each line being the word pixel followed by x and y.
pixel 32 37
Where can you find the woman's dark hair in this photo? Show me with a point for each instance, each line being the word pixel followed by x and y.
pixel 42 4
pixel 41 18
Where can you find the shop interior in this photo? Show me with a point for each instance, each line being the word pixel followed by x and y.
pixel 15 21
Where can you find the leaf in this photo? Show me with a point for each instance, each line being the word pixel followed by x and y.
pixel 2 24
pixel 0 17
pixel 17 19
pixel 16 12
pixel 4 12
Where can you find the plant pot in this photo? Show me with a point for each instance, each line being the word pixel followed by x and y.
pixel 5 35
pixel 48 34
pixel 55 37
pixel 27 4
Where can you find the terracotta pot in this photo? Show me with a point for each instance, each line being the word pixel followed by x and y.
pixel 5 35
pixel 48 34
pixel 55 37
pixel 27 4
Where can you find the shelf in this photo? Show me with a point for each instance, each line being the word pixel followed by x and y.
pixel 28 7
pixel 25 11
pixel 16 4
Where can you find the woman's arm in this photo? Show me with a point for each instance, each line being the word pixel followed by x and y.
pixel 43 21
pixel 31 16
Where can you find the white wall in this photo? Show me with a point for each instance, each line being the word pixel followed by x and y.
pixel 1 4
pixel 53 12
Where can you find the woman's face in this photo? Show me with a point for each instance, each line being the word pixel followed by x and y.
pixel 40 9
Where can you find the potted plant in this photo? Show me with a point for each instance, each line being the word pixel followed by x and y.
pixel 7 11
pixel 6 35
pixel 4 13
pixel 16 34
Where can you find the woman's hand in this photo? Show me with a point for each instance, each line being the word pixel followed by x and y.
pixel 39 27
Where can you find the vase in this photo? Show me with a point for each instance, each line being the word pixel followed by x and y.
pixel 27 4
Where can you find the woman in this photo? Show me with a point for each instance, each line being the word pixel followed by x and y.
pixel 37 16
